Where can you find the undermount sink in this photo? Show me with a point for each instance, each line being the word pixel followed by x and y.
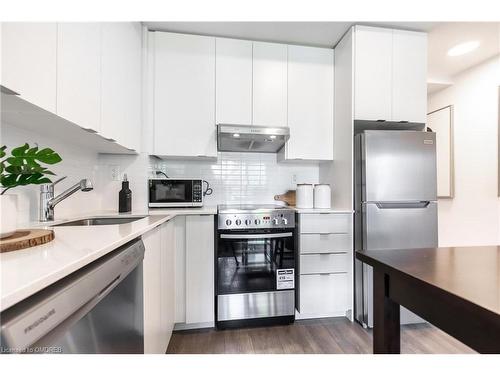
pixel 99 221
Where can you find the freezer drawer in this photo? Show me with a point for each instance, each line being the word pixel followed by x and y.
pixel 325 223
pixel 399 166
pixel 325 243
pixel 324 263
pixel 396 227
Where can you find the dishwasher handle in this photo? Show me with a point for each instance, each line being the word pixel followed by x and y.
pixel 29 321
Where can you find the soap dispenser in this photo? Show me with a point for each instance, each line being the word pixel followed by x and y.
pixel 125 196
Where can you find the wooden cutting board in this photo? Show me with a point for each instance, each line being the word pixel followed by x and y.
pixel 288 197
pixel 24 238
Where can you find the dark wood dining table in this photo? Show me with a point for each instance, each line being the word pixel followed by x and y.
pixel 457 289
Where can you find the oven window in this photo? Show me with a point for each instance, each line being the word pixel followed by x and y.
pixel 249 265
pixel 170 191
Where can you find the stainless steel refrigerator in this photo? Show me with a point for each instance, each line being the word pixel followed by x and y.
pixel 395 203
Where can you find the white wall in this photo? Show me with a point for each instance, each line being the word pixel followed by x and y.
pixel 472 216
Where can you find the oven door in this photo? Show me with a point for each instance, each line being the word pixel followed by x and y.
pixel 170 193
pixel 255 261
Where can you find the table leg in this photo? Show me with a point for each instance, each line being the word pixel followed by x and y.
pixel 386 327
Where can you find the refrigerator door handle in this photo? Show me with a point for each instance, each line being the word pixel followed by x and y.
pixel 392 205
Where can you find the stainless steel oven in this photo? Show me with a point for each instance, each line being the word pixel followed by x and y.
pixel 175 192
pixel 255 266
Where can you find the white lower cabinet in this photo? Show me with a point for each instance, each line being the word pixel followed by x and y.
pixel 323 295
pixel 325 242
pixel 194 271
pixel 325 265
pixel 159 288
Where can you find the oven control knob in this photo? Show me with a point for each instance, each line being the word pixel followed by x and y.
pixel 275 221
pixel 228 222
pixel 248 221
pixel 284 221
pixel 238 222
pixel 257 221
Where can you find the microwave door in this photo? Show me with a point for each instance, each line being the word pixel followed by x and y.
pixel 164 193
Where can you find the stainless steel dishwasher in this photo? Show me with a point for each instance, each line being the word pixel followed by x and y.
pixel 97 309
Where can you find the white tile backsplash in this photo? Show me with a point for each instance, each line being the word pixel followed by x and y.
pixel 234 177
pixel 77 163
pixel 241 177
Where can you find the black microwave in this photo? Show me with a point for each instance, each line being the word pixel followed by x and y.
pixel 175 192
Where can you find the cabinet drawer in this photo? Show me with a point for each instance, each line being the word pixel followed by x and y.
pixel 325 243
pixel 325 223
pixel 324 263
pixel 324 294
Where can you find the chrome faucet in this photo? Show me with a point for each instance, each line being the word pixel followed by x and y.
pixel 48 201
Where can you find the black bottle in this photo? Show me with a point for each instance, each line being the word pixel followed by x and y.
pixel 125 197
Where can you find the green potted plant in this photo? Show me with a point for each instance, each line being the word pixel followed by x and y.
pixel 24 166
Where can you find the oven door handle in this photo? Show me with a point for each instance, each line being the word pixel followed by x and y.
pixel 256 236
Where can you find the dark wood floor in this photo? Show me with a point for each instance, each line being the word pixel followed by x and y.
pixel 335 335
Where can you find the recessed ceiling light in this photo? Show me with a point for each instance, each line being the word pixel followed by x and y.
pixel 463 48
pixel 236 135
pixel 272 136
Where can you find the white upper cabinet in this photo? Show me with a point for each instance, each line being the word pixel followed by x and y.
pixel 390 69
pixel 79 73
pixel 233 95
pixel 372 73
pixel 310 103
pixel 269 84
pixel 184 95
pixel 409 76
pixel 29 61
pixel 121 83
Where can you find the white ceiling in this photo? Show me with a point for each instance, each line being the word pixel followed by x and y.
pixel 321 34
pixel 442 67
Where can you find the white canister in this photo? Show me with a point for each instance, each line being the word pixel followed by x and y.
pixel 8 209
pixel 304 196
pixel 322 196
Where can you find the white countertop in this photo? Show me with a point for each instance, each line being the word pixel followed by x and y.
pixel 25 272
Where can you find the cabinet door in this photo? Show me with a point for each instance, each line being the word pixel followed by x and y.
pixel 233 85
pixel 324 295
pixel 29 61
pixel 121 83
pixel 180 269
pixel 372 73
pixel 167 282
pixel 310 103
pixel 184 95
pixel 153 337
pixel 199 269
pixel 269 84
pixel 409 96
pixel 79 73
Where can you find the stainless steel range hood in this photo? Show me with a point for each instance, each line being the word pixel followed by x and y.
pixel 250 138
